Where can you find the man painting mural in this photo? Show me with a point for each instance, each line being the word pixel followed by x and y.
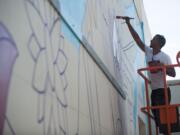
pixel 154 57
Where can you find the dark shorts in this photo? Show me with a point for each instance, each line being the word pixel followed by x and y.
pixel 158 98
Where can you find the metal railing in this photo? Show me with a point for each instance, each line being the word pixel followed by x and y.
pixel 167 106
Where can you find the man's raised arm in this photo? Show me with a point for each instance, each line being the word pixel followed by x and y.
pixel 133 32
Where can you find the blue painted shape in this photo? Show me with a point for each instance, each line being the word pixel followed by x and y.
pixel 73 11
pixel 143 82
pixel 142 30
pixel 138 26
pixel 135 93
pixel 131 12
pixel 69 35
pixel 137 65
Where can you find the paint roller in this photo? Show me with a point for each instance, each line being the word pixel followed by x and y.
pixel 123 17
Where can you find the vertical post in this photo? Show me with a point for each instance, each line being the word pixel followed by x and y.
pixel 166 100
pixel 156 130
pixel 148 105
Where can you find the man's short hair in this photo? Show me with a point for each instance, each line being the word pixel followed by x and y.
pixel 161 39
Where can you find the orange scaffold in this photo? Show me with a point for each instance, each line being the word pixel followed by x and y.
pixel 169 114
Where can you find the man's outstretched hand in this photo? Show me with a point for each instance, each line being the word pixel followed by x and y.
pixel 126 18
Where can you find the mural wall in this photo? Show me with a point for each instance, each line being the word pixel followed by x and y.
pixel 49 83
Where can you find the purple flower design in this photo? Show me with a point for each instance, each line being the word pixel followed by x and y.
pixel 45 46
pixel 8 55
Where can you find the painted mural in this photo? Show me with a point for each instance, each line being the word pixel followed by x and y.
pixel 45 45
pixel 50 85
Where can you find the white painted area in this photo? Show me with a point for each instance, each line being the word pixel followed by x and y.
pixel 56 87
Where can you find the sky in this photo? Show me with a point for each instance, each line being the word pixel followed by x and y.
pixel 164 18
